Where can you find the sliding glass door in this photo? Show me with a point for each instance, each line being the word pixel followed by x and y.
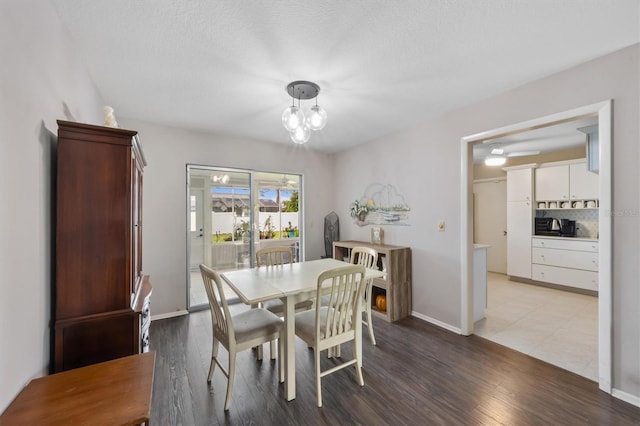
pixel 233 213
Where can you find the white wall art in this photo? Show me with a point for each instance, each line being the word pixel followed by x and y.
pixel 381 204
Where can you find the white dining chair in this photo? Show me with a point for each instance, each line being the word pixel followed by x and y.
pixel 368 258
pixel 238 332
pixel 330 325
pixel 275 256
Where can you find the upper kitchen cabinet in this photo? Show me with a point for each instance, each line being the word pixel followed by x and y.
pixel 552 183
pixel 519 183
pixel 583 184
pixel 565 181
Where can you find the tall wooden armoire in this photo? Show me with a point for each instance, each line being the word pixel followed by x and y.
pixel 100 296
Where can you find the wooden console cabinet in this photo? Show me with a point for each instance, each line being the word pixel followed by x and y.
pixel 101 298
pixel 396 285
pixel 116 392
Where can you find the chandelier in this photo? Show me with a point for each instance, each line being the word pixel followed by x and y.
pixel 298 124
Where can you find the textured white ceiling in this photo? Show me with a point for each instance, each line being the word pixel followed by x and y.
pixel 222 66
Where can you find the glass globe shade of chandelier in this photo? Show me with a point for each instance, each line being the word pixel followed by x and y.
pixel 298 124
pixel 301 134
pixel 317 118
pixel 292 117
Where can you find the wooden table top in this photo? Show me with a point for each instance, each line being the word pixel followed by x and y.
pixel 116 392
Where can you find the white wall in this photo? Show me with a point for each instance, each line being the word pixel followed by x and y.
pixel 41 80
pixel 168 150
pixel 424 163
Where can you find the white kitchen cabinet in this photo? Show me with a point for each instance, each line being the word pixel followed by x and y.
pixel 566 244
pixel 565 258
pixel 587 280
pixel 552 183
pixel 564 182
pixel 519 184
pixel 583 184
pixel 519 220
pixel 568 262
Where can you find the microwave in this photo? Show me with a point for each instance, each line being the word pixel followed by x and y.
pixel 543 225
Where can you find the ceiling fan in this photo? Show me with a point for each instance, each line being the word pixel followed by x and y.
pixel 498 156
pixel 288 183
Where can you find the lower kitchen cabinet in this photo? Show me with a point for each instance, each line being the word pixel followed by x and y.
pixel 568 262
pixel 577 278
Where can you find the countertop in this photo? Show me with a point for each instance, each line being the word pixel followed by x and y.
pixel 553 237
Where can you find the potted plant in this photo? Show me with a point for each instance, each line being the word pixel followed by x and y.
pixel 359 210
pixel 290 230
pixel 268 229
pixel 240 229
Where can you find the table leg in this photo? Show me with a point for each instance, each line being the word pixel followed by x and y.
pixel 290 348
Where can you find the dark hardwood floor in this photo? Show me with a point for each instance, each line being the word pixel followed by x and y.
pixel 417 374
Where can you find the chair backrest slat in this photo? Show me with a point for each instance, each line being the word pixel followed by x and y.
pixel 345 289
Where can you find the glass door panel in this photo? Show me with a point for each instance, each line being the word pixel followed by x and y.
pixel 278 214
pixel 219 225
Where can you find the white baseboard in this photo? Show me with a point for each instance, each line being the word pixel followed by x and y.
pixel 626 397
pixel 169 315
pixel 436 322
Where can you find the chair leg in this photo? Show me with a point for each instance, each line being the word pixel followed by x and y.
pixel 367 309
pixel 281 359
pixel 358 363
pixel 214 356
pixel 316 356
pixel 259 347
pixel 232 372
pixel 370 325
pixel 272 349
pixel 259 352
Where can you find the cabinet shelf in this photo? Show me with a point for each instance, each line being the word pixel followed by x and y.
pixel 567 209
pixel 583 204
pixel 396 286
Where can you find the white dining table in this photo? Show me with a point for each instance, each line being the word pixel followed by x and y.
pixel 291 283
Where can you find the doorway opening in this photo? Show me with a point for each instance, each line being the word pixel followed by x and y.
pixel 603 112
pixel 232 213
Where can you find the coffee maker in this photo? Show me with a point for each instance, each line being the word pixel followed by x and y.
pixel 567 228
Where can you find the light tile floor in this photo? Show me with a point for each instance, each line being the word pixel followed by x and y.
pixel 555 326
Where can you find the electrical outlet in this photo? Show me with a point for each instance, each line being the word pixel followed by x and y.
pixel 441 226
